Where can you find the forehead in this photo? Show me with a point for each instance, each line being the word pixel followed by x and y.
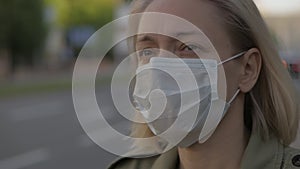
pixel 182 20
pixel 169 25
pixel 162 27
pixel 199 12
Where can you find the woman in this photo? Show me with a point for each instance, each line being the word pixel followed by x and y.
pixel 262 118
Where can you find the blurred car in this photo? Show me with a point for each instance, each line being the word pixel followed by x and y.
pixel 291 61
pixel 295 69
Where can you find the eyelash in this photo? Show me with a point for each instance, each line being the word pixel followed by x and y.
pixel 191 47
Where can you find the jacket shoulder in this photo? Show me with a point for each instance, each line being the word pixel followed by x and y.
pixel 167 160
pixel 291 158
pixel 133 163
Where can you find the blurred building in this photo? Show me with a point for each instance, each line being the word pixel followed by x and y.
pixel 120 51
pixel 283 18
pixel 287 33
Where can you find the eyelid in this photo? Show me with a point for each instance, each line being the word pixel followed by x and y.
pixel 187 44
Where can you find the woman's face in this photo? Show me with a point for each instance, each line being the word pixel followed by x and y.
pixel 208 19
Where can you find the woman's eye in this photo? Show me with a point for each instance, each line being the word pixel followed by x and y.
pixel 190 48
pixel 146 52
pixel 190 51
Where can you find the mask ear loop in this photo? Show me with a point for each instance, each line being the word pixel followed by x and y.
pixel 227 60
pixel 234 96
pixel 231 58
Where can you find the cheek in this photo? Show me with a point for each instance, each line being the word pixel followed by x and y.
pixel 232 74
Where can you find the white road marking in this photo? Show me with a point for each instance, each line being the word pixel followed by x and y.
pixel 25 159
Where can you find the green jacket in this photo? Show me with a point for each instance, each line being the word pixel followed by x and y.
pixel 259 154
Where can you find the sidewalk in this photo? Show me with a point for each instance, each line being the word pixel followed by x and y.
pixel 35 82
pixel 43 81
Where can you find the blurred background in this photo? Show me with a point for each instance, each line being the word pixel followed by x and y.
pixel 39 43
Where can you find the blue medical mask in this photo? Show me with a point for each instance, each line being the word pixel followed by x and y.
pixel 159 98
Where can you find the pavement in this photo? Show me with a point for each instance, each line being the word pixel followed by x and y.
pixel 42 132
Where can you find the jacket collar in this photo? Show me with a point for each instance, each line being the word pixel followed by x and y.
pixel 258 154
pixel 168 160
pixel 262 153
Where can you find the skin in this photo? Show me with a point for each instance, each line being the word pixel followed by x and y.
pixel 225 148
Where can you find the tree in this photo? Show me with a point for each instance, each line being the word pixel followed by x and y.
pixel 23 30
pixel 71 13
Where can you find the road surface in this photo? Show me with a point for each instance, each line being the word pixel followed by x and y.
pixel 43 132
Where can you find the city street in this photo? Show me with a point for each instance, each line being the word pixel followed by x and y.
pixel 48 48
pixel 42 132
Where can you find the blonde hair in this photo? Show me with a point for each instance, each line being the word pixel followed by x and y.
pixel 271 106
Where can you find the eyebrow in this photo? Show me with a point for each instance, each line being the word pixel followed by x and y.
pixel 180 34
pixel 146 37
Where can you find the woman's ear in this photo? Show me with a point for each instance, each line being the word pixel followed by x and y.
pixel 251 62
